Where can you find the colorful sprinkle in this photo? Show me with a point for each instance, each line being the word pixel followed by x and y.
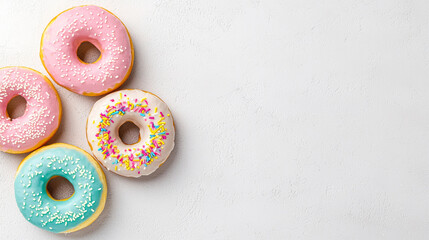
pixel 137 157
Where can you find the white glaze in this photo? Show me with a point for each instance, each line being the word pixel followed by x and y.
pixel 154 102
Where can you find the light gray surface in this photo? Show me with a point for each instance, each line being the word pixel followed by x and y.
pixel 295 119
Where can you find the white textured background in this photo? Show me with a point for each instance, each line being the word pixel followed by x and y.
pixel 295 119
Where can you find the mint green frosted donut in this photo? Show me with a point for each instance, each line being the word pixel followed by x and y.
pixel 78 167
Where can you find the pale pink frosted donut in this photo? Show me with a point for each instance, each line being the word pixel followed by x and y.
pixel 42 115
pixel 93 24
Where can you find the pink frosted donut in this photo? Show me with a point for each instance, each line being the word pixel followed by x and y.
pixel 42 115
pixel 65 33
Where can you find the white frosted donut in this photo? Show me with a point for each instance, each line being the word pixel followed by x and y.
pixel 146 111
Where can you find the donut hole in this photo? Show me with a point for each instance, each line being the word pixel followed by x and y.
pixel 129 133
pixel 16 107
pixel 88 53
pixel 59 188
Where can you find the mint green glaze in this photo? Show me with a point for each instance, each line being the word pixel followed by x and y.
pixel 39 208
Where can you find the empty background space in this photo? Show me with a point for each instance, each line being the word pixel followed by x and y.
pixel 294 119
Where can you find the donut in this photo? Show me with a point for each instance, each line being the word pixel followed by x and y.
pixel 146 111
pixel 67 31
pixel 75 165
pixel 42 115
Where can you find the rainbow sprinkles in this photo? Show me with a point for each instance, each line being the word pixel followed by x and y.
pixel 137 156
pixel 155 122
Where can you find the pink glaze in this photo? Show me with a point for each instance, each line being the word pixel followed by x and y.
pixel 93 24
pixel 42 114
